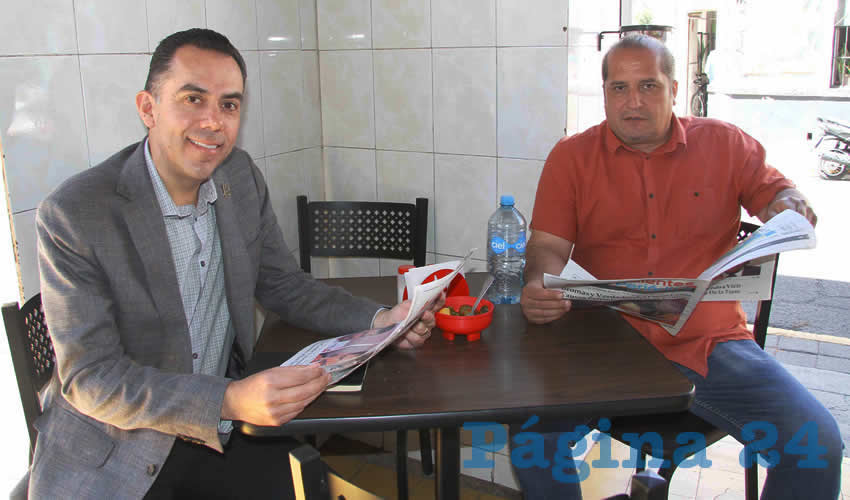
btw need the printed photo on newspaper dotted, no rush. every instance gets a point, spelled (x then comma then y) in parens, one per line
(341, 355)
(743, 273)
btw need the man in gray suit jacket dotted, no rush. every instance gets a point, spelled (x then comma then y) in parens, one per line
(150, 265)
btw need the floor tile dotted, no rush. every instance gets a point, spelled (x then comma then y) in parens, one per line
(421, 488)
(725, 455)
(685, 482)
(487, 496)
(714, 483)
(836, 350)
(833, 364)
(378, 480)
(799, 345)
(468, 494)
(797, 358)
(346, 467)
(731, 495)
(673, 496)
(503, 472)
(483, 473)
(603, 483)
(818, 379)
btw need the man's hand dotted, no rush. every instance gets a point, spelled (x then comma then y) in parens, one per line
(545, 253)
(541, 305)
(274, 396)
(419, 332)
(789, 199)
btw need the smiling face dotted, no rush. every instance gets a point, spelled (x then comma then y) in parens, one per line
(639, 98)
(193, 118)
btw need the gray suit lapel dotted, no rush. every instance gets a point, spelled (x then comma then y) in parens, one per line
(237, 262)
(143, 216)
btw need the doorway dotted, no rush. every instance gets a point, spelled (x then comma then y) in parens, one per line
(702, 38)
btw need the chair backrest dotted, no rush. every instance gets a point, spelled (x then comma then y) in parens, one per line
(32, 355)
(362, 229)
(762, 318)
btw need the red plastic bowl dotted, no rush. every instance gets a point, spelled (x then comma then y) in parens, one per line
(470, 326)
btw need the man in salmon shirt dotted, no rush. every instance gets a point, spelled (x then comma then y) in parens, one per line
(646, 193)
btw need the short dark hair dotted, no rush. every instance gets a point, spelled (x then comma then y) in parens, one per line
(668, 64)
(196, 37)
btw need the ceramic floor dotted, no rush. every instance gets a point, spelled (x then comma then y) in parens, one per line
(374, 470)
(723, 480)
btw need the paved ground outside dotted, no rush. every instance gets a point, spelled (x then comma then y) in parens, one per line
(823, 367)
(810, 305)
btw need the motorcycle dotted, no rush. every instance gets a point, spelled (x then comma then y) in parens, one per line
(833, 149)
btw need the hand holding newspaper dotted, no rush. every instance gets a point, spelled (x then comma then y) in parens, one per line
(669, 302)
(339, 356)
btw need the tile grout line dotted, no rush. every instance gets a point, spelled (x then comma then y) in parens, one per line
(819, 337)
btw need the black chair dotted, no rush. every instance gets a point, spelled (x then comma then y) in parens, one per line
(671, 425)
(33, 360)
(314, 480)
(369, 229)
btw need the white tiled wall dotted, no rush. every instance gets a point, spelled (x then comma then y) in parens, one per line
(461, 101)
(70, 69)
(345, 99)
(403, 100)
(465, 101)
(348, 97)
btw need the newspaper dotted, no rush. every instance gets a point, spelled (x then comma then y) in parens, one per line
(743, 273)
(341, 355)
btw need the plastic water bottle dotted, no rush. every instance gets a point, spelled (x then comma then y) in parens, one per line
(506, 252)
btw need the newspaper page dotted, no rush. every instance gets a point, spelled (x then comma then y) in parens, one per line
(341, 355)
(785, 231)
(749, 283)
(669, 302)
(660, 300)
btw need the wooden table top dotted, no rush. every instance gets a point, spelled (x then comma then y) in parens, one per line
(590, 362)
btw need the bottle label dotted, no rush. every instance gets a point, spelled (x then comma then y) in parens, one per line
(499, 245)
(519, 246)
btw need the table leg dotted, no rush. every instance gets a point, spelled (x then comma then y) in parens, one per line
(401, 464)
(447, 464)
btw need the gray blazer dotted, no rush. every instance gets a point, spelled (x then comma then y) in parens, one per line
(124, 386)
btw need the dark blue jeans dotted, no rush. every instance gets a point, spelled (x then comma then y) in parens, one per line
(744, 385)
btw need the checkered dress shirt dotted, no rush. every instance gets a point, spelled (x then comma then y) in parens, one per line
(196, 250)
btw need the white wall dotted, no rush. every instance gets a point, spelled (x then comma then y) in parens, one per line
(357, 99)
(455, 101)
(70, 69)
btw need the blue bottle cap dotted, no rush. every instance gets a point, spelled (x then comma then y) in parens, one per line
(507, 200)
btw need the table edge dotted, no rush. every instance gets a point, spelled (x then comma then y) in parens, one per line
(457, 419)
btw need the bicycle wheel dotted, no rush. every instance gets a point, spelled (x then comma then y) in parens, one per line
(698, 104)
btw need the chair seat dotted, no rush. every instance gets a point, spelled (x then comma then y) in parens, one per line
(668, 426)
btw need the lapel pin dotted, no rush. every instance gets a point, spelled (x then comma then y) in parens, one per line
(225, 190)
